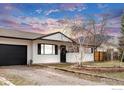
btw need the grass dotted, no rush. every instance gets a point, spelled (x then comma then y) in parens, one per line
(90, 64)
(2, 83)
(115, 75)
(54, 64)
(104, 64)
(17, 80)
(62, 64)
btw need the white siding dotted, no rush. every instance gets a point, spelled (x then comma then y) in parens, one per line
(46, 58)
(19, 42)
(75, 57)
(70, 57)
(57, 36)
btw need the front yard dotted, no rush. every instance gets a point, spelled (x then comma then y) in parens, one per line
(104, 64)
(39, 75)
(45, 74)
(119, 75)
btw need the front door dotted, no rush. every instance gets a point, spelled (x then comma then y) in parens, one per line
(63, 53)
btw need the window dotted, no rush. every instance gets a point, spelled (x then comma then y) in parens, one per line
(88, 50)
(73, 49)
(47, 49)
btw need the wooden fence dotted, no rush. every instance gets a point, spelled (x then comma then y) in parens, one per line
(105, 56)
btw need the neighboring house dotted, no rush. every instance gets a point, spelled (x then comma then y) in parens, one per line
(110, 48)
(19, 47)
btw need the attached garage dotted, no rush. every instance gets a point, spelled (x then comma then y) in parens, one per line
(16, 47)
(13, 54)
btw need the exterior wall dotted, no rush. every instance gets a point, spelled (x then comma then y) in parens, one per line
(57, 36)
(46, 58)
(70, 57)
(76, 57)
(19, 42)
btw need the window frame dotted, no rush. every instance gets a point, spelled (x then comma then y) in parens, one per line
(53, 49)
(72, 49)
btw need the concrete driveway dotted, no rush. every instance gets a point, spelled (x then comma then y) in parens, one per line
(40, 76)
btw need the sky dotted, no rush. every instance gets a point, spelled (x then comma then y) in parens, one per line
(48, 18)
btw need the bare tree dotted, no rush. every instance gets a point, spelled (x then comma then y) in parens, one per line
(86, 32)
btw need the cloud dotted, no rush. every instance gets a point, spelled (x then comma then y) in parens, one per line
(51, 11)
(73, 7)
(62, 22)
(38, 11)
(9, 9)
(113, 15)
(113, 26)
(116, 12)
(45, 24)
(113, 31)
(102, 6)
(37, 24)
(114, 22)
(9, 21)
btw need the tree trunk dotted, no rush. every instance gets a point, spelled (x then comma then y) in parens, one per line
(122, 57)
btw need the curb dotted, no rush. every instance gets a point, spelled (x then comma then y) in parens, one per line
(89, 74)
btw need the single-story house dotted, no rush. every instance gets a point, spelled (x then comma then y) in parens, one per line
(20, 47)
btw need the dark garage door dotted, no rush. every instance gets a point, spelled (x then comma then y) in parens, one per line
(13, 55)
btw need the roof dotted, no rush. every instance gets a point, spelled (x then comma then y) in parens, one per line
(18, 34)
(60, 37)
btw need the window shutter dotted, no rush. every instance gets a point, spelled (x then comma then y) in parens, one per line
(39, 49)
(56, 49)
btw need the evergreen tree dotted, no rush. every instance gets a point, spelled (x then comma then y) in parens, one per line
(121, 39)
(122, 25)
